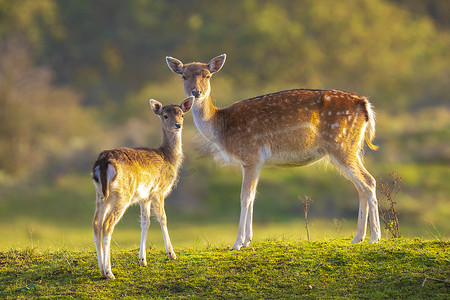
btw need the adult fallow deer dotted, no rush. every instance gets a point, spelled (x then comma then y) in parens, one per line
(126, 176)
(288, 128)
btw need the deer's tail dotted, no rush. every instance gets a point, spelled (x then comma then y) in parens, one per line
(369, 134)
(103, 173)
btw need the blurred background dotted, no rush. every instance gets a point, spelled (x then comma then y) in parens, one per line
(76, 76)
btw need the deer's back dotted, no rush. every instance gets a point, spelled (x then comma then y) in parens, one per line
(138, 172)
(294, 127)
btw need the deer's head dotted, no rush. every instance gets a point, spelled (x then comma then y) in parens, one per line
(196, 76)
(171, 115)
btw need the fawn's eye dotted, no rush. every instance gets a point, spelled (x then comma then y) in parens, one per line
(206, 76)
(166, 117)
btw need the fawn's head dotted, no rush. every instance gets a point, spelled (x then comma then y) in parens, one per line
(196, 76)
(172, 115)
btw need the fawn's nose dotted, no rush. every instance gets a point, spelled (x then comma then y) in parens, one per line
(196, 93)
(177, 125)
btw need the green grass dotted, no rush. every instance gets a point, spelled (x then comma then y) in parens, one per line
(47, 249)
(270, 269)
(43, 236)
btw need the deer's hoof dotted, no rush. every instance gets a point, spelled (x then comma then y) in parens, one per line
(142, 262)
(172, 256)
(109, 275)
(357, 240)
(374, 240)
(236, 248)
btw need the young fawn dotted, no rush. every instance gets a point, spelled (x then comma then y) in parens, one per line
(288, 128)
(126, 176)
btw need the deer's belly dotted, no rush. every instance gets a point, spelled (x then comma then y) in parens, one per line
(292, 158)
(147, 190)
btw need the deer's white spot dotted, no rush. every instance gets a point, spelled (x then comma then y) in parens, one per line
(142, 190)
(329, 113)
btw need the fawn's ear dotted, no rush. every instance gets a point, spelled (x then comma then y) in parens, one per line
(187, 103)
(175, 65)
(216, 63)
(156, 106)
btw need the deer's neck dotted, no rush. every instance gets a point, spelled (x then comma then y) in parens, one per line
(171, 147)
(205, 118)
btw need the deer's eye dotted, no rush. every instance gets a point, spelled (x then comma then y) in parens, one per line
(166, 117)
(206, 76)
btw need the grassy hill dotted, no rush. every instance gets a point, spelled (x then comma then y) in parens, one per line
(269, 269)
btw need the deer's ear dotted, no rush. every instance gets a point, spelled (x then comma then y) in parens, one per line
(175, 65)
(187, 103)
(216, 63)
(156, 106)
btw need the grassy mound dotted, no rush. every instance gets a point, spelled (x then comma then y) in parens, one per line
(267, 270)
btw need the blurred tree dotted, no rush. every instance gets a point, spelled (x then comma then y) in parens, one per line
(34, 20)
(373, 47)
(38, 121)
(439, 10)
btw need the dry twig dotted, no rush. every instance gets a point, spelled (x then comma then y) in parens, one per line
(390, 216)
(306, 203)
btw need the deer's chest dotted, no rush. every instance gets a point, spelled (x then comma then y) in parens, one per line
(148, 187)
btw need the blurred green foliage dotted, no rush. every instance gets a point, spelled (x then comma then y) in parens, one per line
(75, 78)
(377, 48)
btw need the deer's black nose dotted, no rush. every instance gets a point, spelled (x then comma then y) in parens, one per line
(177, 125)
(196, 93)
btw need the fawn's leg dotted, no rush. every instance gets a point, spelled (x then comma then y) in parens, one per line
(162, 219)
(97, 224)
(108, 227)
(145, 224)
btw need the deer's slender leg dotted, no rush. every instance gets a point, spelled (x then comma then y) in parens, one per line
(368, 205)
(361, 224)
(162, 219)
(375, 231)
(249, 223)
(250, 176)
(108, 227)
(145, 224)
(97, 226)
